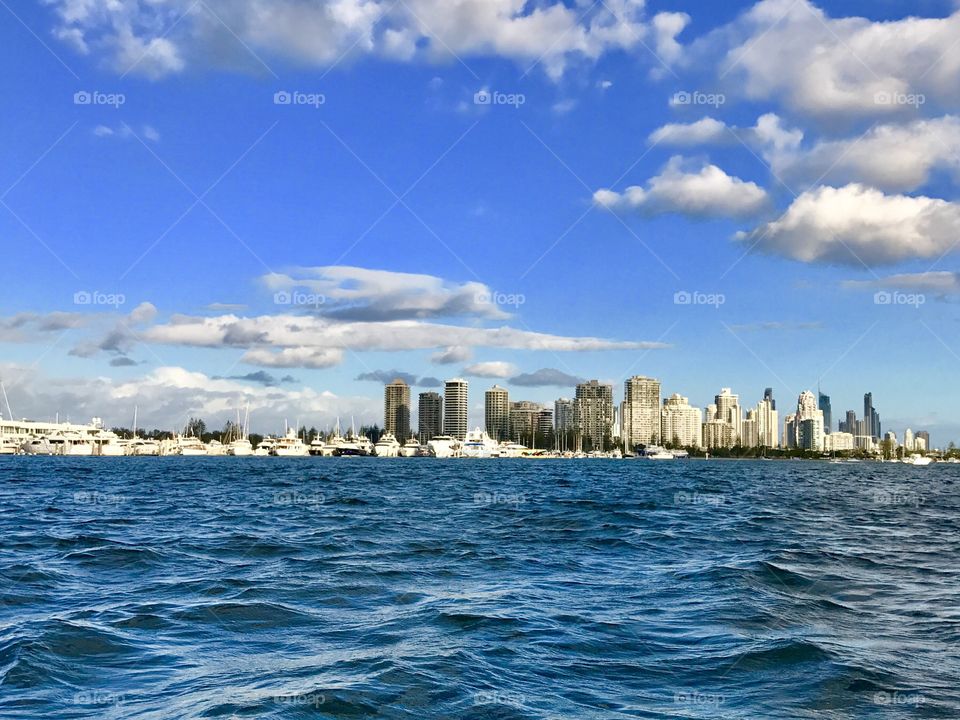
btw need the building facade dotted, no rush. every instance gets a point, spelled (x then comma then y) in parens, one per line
(497, 413)
(430, 416)
(594, 414)
(680, 423)
(456, 408)
(640, 412)
(396, 409)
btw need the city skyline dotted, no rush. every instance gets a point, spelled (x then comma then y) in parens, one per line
(186, 248)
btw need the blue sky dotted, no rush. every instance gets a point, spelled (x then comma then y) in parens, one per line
(824, 133)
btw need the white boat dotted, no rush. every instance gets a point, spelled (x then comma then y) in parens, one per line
(480, 445)
(316, 446)
(67, 443)
(918, 460)
(444, 446)
(108, 444)
(9, 446)
(215, 447)
(512, 450)
(240, 448)
(290, 445)
(143, 447)
(413, 448)
(655, 452)
(183, 445)
(265, 447)
(387, 446)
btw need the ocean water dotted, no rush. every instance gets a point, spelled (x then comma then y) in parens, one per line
(420, 588)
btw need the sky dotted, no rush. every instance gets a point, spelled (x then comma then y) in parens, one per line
(210, 203)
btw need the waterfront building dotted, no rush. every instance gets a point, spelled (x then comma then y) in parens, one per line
(455, 408)
(430, 412)
(497, 413)
(768, 423)
(396, 410)
(594, 414)
(750, 430)
(768, 396)
(680, 423)
(871, 417)
(823, 402)
(922, 435)
(728, 410)
(838, 441)
(808, 423)
(717, 434)
(640, 414)
(524, 421)
(908, 442)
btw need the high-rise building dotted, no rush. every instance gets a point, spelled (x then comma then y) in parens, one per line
(455, 408)
(871, 416)
(640, 414)
(524, 421)
(823, 401)
(497, 413)
(728, 410)
(768, 423)
(564, 421)
(680, 423)
(594, 414)
(808, 423)
(750, 430)
(768, 395)
(717, 434)
(922, 435)
(396, 409)
(850, 425)
(545, 424)
(430, 413)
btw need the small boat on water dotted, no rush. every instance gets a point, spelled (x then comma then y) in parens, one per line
(918, 460)
(413, 448)
(265, 447)
(387, 446)
(480, 445)
(290, 445)
(655, 452)
(444, 446)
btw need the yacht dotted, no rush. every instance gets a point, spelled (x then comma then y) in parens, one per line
(387, 446)
(918, 460)
(317, 445)
(265, 447)
(215, 447)
(108, 444)
(61, 442)
(444, 446)
(480, 445)
(143, 447)
(655, 452)
(9, 446)
(349, 446)
(413, 448)
(240, 448)
(290, 445)
(186, 446)
(512, 450)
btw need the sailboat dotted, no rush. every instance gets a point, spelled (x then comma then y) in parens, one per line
(241, 447)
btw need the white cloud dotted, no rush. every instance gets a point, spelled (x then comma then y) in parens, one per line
(491, 369)
(942, 283)
(857, 225)
(768, 135)
(451, 356)
(824, 67)
(704, 131)
(302, 357)
(666, 26)
(707, 193)
(157, 38)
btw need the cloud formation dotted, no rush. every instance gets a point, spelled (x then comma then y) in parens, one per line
(546, 377)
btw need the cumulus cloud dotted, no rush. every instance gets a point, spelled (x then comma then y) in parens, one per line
(703, 131)
(354, 293)
(830, 68)
(769, 135)
(160, 38)
(451, 355)
(294, 357)
(856, 225)
(546, 377)
(262, 377)
(388, 376)
(707, 193)
(491, 369)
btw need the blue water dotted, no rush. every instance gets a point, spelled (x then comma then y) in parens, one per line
(419, 588)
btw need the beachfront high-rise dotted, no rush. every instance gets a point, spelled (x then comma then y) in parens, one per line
(431, 416)
(823, 402)
(396, 409)
(768, 423)
(871, 417)
(497, 413)
(806, 431)
(640, 413)
(594, 414)
(455, 408)
(680, 424)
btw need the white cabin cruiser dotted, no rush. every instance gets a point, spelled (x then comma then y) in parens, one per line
(480, 445)
(387, 446)
(290, 445)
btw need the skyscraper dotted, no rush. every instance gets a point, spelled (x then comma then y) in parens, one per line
(808, 423)
(563, 415)
(396, 409)
(640, 417)
(455, 408)
(524, 421)
(594, 414)
(431, 416)
(497, 413)
(871, 417)
(728, 410)
(823, 401)
(768, 422)
(768, 395)
(679, 422)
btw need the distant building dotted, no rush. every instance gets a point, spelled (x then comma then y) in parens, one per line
(680, 423)
(594, 414)
(808, 423)
(545, 424)
(838, 441)
(728, 410)
(524, 421)
(717, 434)
(768, 395)
(823, 401)
(455, 408)
(396, 409)
(925, 437)
(497, 413)
(768, 423)
(640, 414)
(871, 416)
(430, 413)
(750, 430)
(908, 441)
